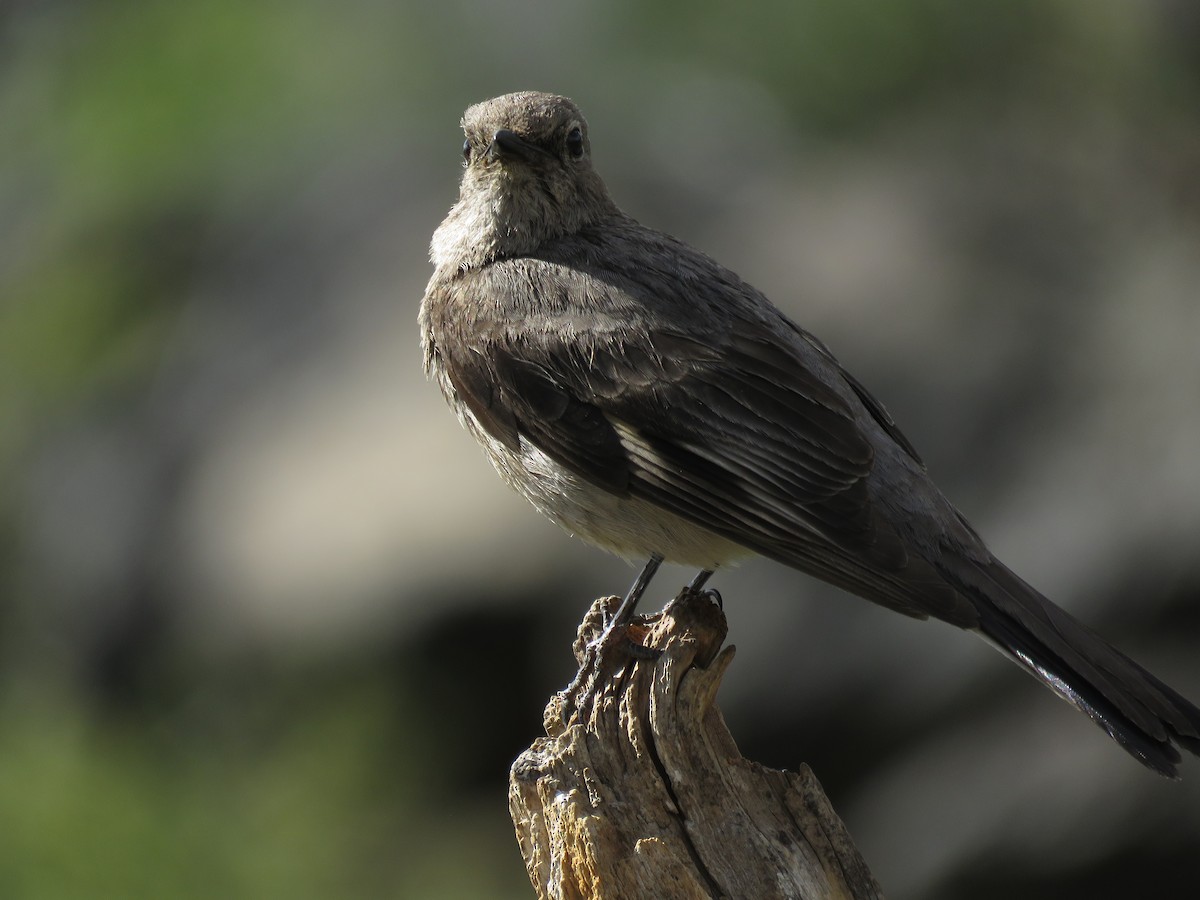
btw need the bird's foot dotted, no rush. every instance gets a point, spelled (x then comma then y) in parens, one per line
(609, 637)
(696, 589)
(602, 652)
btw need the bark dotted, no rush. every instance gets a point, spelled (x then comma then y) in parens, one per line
(638, 789)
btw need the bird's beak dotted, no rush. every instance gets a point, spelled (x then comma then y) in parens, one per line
(509, 145)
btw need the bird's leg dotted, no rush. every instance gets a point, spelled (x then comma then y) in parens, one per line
(696, 588)
(577, 695)
(625, 611)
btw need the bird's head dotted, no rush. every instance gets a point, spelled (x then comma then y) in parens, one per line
(528, 177)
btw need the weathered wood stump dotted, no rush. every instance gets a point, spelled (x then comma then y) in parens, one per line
(638, 790)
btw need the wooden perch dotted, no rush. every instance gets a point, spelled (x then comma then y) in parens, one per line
(638, 790)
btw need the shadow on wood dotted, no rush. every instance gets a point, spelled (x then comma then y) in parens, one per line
(638, 789)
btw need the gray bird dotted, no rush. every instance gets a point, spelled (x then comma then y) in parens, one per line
(651, 402)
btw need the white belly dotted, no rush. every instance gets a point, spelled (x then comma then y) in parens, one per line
(627, 526)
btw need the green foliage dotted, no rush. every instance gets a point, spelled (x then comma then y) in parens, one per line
(288, 790)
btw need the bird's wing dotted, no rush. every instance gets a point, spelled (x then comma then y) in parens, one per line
(736, 431)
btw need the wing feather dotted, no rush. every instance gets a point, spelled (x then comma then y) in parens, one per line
(737, 432)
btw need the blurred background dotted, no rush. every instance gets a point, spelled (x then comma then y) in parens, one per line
(270, 626)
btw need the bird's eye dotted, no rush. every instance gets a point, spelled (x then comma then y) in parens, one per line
(575, 142)
(466, 151)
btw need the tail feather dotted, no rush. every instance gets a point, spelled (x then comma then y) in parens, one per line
(1141, 713)
(1152, 750)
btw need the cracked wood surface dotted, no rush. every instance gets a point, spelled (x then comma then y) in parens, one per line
(638, 789)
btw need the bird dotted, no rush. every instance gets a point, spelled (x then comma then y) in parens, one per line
(648, 400)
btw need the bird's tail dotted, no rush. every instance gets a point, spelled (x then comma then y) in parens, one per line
(1141, 713)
